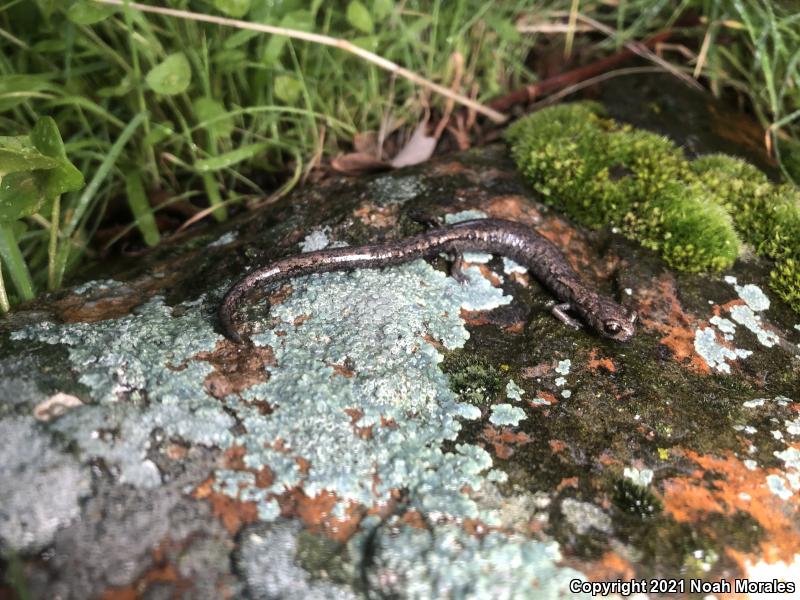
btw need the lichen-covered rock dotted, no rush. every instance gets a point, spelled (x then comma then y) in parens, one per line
(394, 432)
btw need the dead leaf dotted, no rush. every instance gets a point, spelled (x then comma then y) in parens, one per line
(358, 163)
(418, 149)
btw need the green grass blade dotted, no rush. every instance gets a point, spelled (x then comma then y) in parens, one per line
(88, 193)
(140, 207)
(15, 263)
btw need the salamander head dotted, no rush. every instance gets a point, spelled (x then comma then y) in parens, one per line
(612, 321)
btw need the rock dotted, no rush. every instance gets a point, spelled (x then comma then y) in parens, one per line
(354, 449)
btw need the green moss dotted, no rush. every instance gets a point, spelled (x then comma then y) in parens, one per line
(603, 173)
(767, 216)
(636, 500)
(473, 379)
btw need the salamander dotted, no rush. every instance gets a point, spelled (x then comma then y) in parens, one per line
(508, 238)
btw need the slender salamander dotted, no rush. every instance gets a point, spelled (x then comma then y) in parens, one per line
(514, 240)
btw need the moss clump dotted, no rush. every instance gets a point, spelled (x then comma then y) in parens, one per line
(767, 216)
(636, 500)
(473, 379)
(603, 173)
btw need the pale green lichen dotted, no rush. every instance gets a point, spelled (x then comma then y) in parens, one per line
(387, 190)
(584, 516)
(373, 321)
(716, 354)
(40, 486)
(146, 382)
(505, 414)
(513, 391)
(316, 240)
(146, 354)
(446, 562)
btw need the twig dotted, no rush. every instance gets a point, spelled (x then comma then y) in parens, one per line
(701, 57)
(529, 93)
(316, 38)
(637, 48)
(552, 28)
(551, 99)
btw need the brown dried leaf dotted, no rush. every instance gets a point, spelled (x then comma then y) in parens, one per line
(358, 163)
(418, 149)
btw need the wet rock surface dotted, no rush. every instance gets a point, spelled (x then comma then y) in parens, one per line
(393, 432)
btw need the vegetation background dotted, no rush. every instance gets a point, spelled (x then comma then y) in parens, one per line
(120, 126)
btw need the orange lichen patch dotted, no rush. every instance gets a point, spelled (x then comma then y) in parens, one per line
(513, 208)
(161, 571)
(300, 319)
(176, 451)
(303, 465)
(718, 309)
(538, 370)
(567, 482)
(567, 239)
(452, 167)
(475, 318)
(488, 274)
(342, 369)
(280, 295)
(504, 440)
(723, 485)
(235, 370)
(595, 364)
(610, 567)
(660, 310)
(520, 278)
(376, 216)
(232, 513)
(118, 303)
(355, 415)
(316, 513)
(544, 395)
(608, 459)
(557, 446)
(434, 342)
(413, 518)
(515, 328)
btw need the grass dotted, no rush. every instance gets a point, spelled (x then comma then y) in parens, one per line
(151, 105)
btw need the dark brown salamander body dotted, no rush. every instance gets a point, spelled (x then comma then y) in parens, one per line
(514, 240)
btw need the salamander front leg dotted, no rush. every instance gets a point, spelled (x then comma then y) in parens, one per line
(457, 268)
(560, 312)
(429, 220)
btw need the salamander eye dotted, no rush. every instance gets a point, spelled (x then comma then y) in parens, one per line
(612, 327)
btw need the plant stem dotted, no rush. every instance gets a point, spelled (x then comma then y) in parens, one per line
(52, 247)
(15, 263)
(5, 306)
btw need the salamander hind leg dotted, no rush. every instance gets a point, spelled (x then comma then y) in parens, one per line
(559, 311)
